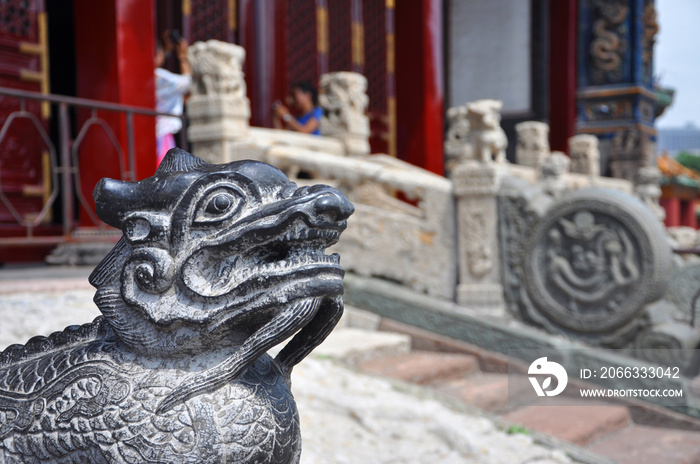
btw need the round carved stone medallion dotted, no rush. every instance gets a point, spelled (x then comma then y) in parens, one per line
(594, 259)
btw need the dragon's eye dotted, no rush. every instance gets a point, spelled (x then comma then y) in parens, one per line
(217, 205)
(220, 204)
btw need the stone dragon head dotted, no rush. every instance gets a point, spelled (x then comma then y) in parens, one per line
(217, 256)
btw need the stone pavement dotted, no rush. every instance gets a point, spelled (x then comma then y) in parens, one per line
(348, 416)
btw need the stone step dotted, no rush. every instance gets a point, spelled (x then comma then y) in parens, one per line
(423, 367)
(642, 444)
(487, 391)
(356, 346)
(482, 390)
(581, 422)
(612, 431)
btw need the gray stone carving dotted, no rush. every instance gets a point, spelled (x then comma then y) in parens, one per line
(594, 265)
(594, 260)
(217, 264)
(670, 344)
(683, 290)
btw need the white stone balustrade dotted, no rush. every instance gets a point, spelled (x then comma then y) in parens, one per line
(412, 242)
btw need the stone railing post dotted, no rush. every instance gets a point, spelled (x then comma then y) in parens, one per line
(585, 155)
(648, 190)
(474, 133)
(456, 146)
(553, 173)
(533, 143)
(343, 97)
(476, 187)
(478, 165)
(218, 108)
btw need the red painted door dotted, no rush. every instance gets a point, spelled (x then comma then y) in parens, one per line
(24, 157)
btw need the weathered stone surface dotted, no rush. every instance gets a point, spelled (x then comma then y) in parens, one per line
(585, 157)
(486, 137)
(580, 424)
(457, 147)
(423, 367)
(533, 143)
(411, 241)
(217, 264)
(641, 444)
(218, 108)
(474, 134)
(485, 391)
(354, 346)
(553, 173)
(683, 287)
(685, 237)
(343, 97)
(595, 258)
(647, 189)
(266, 139)
(476, 186)
(38, 308)
(350, 418)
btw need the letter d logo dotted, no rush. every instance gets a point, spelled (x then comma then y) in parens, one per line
(542, 366)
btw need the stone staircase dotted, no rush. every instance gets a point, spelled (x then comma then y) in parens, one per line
(594, 432)
(629, 433)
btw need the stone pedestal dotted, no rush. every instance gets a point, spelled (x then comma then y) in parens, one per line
(216, 122)
(476, 187)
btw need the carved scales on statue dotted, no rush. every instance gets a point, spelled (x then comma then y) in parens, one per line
(217, 264)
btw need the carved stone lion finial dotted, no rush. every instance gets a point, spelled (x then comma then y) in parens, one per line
(217, 264)
(344, 100)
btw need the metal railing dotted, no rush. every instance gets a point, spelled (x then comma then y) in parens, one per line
(68, 153)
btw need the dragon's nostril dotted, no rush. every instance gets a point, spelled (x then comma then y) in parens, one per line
(335, 205)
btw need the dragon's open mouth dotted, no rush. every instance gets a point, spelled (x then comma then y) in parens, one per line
(296, 253)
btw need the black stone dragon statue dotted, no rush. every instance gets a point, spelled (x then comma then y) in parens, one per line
(217, 264)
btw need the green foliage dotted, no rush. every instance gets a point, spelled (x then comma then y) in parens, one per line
(689, 160)
(517, 429)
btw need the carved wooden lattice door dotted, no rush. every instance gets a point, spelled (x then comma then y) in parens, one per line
(352, 35)
(378, 67)
(205, 20)
(304, 44)
(24, 157)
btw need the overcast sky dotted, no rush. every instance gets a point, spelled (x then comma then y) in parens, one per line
(677, 60)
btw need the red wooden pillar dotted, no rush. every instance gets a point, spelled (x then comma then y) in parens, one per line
(562, 73)
(419, 83)
(672, 206)
(114, 48)
(262, 34)
(688, 217)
